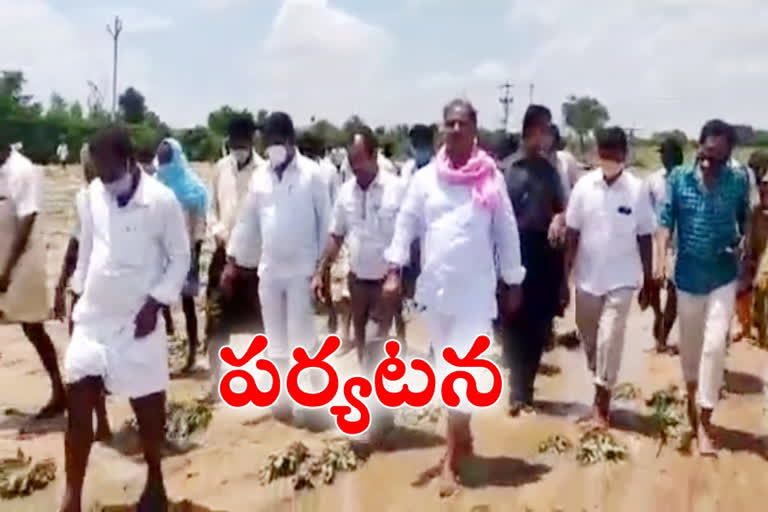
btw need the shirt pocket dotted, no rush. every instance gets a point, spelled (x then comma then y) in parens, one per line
(131, 238)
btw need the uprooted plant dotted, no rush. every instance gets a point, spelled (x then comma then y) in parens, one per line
(183, 420)
(668, 418)
(309, 470)
(549, 370)
(19, 477)
(556, 444)
(626, 392)
(599, 445)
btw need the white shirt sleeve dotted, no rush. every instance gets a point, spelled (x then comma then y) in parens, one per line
(245, 241)
(646, 214)
(339, 225)
(507, 238)
(25, 187)
(175, 241)
(322, 202)
(410, 218)
(214, 215)
(85, 245)
(573, 214)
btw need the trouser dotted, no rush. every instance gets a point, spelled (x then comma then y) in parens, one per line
(286, 305)
(602, 322)
(525, 337)
(459, 332)
(704, 325)
(368, 307)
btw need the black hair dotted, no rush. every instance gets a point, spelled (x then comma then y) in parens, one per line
(718, 128)
(422, 133)
(534, 115)
(369, 138)
(557, 140)
(672, 147)
(113, 139)
(461, 103)
(612, 139)
(241, 126)
(279, 125)
(310, 144)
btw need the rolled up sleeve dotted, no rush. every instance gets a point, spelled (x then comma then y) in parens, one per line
(339, 224)
(26, 187)
(407, 226)
(506, 238)
(85, 245)
(573, 213)
(245, 241)
(175, 242)
(646, 219)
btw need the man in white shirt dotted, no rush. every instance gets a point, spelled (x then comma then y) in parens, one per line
(458, 203)
(364, 216)
(234, 173)
(609, 246)
(280, 232)
(23, 290)
(671, 152)
(62, 153)
(133, 259)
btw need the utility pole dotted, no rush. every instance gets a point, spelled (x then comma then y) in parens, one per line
(114, 32)
(506, 100)
(530, 93)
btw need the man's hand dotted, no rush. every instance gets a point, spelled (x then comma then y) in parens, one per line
(146, 319)
(228, 278)
(512, 298)
(565, 298)
(5, 282)
(557, 230)
(318, 287)
(60, 303)
(220, 238)
(646, 296)
(391, 290)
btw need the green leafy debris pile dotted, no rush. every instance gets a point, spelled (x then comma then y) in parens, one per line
(20, 477)
(309, 470)
(626, 392)
(556, 444)
(429, 415)
(183, 420)
(668, 418)
(598, 445)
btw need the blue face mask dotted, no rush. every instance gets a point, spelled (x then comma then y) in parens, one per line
(422, 156)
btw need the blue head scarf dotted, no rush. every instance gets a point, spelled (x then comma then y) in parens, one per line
(179, 177)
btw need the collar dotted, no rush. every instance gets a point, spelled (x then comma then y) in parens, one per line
(293, 164)
(376, 183)
(600, 178)
(140, 195)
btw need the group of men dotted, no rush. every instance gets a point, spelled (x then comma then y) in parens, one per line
(493, 248)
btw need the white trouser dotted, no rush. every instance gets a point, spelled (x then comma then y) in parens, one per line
(286, 307)
(704, 324)
(458, 332)
(602, 322)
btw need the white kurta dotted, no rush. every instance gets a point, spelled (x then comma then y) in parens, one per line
(229, 188)
(126, 255)
(26, 299)
(282, 230)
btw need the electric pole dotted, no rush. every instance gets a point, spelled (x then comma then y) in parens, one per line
(114, 32)
(506, 101)
(530, 93)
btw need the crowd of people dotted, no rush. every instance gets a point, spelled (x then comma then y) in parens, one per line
(483, 243)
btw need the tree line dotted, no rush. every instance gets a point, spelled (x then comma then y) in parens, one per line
(40, 130)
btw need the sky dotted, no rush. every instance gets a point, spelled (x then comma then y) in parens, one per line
(655, 64)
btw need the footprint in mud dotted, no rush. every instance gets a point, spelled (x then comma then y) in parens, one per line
(178, 506)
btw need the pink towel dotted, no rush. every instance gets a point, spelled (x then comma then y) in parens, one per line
(479, 172)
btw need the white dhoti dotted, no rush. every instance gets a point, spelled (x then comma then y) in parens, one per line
(128, 366)
(460, 333)
(286, 307)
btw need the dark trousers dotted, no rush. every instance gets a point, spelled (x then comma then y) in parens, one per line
(525, 338)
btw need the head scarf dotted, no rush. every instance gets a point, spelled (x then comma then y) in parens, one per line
(179, 177)
(479, 172)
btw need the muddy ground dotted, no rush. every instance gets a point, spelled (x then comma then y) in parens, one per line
(220, 472)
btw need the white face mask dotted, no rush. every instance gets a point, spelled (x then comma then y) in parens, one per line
(241, 155)
(121, 186)
(277, 155)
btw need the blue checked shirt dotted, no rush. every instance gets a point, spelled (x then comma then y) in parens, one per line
(710, 225)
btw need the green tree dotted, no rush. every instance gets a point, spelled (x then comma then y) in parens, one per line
(133, 106)
(218, 120)
(57, 107)
(677, 135)
(76, 111)
(584, 115)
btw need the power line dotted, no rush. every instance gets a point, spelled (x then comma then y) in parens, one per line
(115, 33)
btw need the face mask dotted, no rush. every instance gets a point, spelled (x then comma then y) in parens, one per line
(277, 155)
(241, 155)
(121, 186)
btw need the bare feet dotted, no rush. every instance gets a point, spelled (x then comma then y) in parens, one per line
(707, 447)
(283, 413)
(153, 499)
(56, 407)
(449, 477)
(70, 503)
